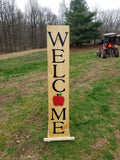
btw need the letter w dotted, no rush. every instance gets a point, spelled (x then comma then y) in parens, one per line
(58, 35)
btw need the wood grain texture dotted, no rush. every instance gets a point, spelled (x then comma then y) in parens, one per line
(58, 81)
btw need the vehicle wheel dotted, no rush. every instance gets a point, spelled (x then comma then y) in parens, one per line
(98, 54)
(103, 54)
(117, 52)
(108, 52)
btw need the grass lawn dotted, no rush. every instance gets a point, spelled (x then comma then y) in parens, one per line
(94, 108)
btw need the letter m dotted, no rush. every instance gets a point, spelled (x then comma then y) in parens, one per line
(58, 116)
(58, 35)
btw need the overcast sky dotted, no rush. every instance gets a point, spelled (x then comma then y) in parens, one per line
(54, 4)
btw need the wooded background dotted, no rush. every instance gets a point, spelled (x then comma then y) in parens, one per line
(27, 30)
(21, 31)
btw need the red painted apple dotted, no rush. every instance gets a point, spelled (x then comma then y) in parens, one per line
(58, 100)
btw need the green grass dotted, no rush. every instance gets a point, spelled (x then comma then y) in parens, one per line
(94, 109)
(23, 65)
(108, 156)
(4, 90)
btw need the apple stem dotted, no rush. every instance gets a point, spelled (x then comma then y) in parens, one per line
(60, 94)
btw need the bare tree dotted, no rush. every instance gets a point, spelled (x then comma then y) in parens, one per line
(38, 17)
(50, 18)
(8, 22)
(20, 31)
(32, 15)
(62, 12)
(110, 20)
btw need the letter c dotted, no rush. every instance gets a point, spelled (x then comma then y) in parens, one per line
(53, 85)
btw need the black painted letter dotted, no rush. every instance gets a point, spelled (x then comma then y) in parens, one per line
(58, 116)
(53, 85)
(54, 128)
(60, 38)
(55, 76)
(60, 55)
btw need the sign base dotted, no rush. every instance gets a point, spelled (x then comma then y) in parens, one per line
(59, 139)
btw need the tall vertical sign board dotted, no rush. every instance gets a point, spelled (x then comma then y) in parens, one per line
(58, 83)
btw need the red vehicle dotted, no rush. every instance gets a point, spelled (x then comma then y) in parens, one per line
(108, 48)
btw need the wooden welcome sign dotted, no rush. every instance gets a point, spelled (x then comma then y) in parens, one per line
(58, 83)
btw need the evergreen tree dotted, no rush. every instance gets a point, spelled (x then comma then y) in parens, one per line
(83, 28)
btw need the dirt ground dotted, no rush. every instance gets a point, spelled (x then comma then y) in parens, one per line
(21, 53)
(83, 48)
